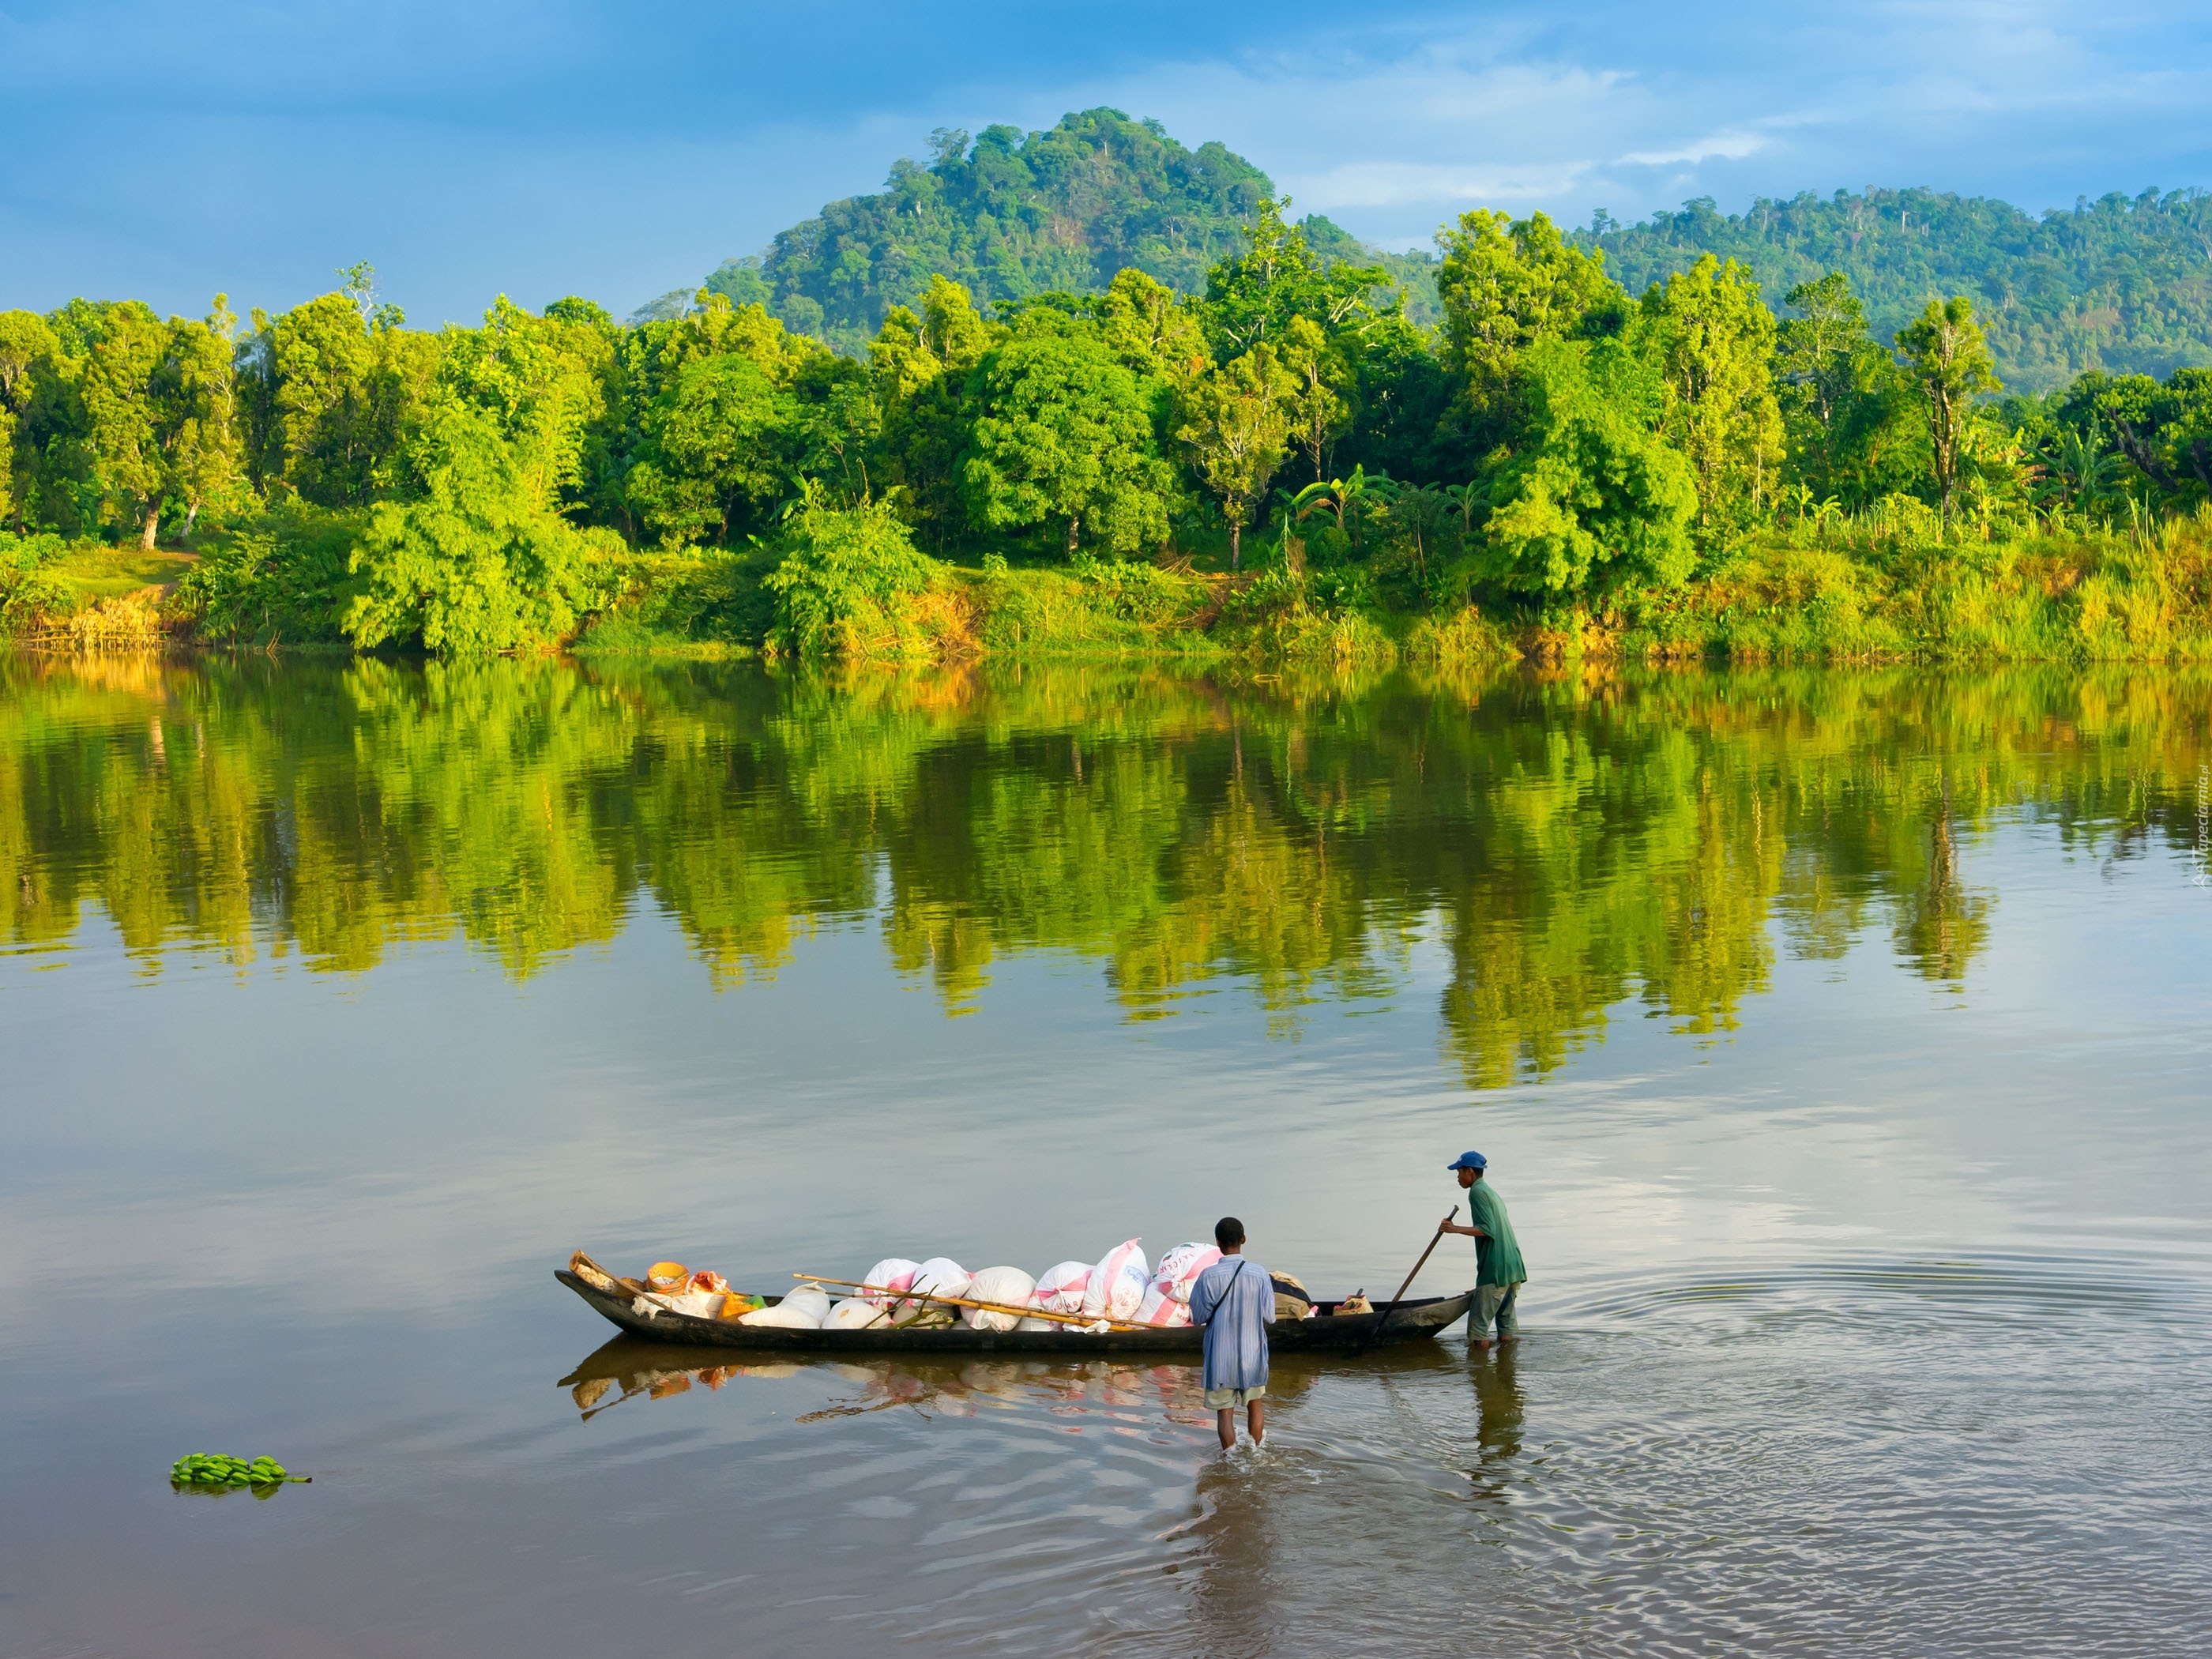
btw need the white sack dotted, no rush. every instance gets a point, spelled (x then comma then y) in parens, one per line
(700, 1304)
(1060, 1290)
(893, 1273)
(804, 1310)
(1008, 1285)
(1117, 1283)
(1180, 1268)
(856, 1314)
(940, 1276)
(1158, 1308)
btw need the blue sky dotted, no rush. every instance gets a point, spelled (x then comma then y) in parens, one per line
(166, 152)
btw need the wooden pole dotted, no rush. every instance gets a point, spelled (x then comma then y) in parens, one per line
(886, 1292)
(1436, 1238)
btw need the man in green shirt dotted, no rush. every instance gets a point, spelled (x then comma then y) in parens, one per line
(1498, 1273)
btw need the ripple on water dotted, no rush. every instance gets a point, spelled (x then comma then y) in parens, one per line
(1906, 1459)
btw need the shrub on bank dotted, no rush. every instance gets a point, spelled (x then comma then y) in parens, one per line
(850, 582)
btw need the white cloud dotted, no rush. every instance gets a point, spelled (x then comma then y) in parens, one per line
(1401, 127)
(1718, 146)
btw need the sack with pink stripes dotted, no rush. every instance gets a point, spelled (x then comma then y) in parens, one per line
(1060, 1290)
(1117, 1283)
(888, 1279)
(1158, 1308)
(1180, 1268)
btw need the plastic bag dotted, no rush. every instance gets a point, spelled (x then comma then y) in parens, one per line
(1060, 1290)
(1008, 1285)
(804, 1310)
(855, 1314)
(893, 1273)
(1160, 1308)
(1118, 1284)
(1180, 1268)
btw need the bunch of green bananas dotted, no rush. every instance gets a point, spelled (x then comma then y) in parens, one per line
(211, 1469)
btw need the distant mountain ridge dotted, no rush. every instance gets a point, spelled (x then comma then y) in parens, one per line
(2123, 283)
(1013, 214)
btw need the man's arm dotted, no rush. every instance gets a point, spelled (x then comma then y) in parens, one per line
(1469, 1232)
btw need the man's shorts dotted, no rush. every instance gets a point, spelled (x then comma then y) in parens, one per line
(1492, 1302)
(1233, 1400)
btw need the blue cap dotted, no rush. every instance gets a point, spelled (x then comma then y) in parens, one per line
(1469, 1161)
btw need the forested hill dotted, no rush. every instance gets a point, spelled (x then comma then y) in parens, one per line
(2123, 283)
(1014, 214)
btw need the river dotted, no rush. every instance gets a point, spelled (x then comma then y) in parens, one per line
(1838, 1041)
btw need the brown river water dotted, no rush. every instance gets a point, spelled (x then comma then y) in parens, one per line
(1839, 1042)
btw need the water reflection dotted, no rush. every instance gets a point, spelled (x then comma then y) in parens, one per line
(1500, 1406)
(1573, 842)
(1113, 1391)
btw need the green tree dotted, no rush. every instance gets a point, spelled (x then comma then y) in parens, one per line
(1814, 350)
(1155, 333)
(1318, 374)
(1949, 362)
(841, 579)
(202, 437)
(1505, 284)
(478, 561)
(718, 443)
(1251, 299)
(1853, 427)
(919, 366)
(1592, 500)
(1062, 433)
(27, 351)
(1236, 421)
(330, 399)
(1721, 414)
(544, 381)
(115, 384)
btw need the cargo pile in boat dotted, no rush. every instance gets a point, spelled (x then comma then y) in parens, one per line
(1118, 1290)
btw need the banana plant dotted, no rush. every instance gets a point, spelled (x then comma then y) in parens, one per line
(1466, 499)
(2084, 469)
(1340, 497)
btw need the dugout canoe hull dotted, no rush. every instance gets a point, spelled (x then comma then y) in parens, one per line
(1411, 1321)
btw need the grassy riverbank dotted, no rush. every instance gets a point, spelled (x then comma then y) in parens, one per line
(1859, 590)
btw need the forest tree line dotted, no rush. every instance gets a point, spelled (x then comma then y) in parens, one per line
(1555, 443)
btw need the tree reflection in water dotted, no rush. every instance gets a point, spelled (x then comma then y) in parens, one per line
(1572, 841)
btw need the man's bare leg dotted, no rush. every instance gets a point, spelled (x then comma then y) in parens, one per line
(1257, 1415)
(1225, 1421)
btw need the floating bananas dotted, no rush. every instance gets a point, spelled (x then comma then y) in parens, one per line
(207, 1471)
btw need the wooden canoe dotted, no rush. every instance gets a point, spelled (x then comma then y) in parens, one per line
(1326, 1331)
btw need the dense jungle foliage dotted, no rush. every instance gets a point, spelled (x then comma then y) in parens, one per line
(1008, 216)
(1282, 461)
(2123, 284)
